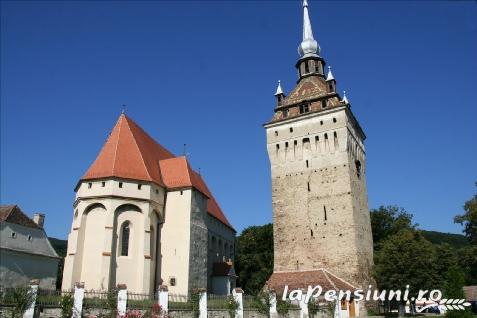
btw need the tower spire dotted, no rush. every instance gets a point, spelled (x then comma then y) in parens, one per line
(329, 76)
(345, 99)
(279, 89)
(308, 46)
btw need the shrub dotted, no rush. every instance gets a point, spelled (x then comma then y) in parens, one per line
(232, 305)
(66, 304)
(313, 307)
(283, 306)
(262, 302)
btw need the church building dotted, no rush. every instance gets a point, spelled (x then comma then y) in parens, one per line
(143, 217)
(321, 221)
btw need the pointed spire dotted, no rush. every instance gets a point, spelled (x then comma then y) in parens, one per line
(308, 47)
(307, 31)
(279, 89)
(345, 99)
(329, 76)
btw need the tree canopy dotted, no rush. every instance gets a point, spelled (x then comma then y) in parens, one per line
(254, 262)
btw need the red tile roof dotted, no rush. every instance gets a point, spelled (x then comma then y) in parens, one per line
(130, 153)
(13, 214)
(223, 269)
(303, 279)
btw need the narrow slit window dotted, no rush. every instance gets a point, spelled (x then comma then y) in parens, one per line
(307, 165)
(120, 184)
(326, 136)
(324, 212)
(358, 168)
(308, 185)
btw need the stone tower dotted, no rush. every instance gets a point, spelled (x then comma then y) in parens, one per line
(321, 220)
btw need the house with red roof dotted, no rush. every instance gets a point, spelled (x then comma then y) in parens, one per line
(143, 217)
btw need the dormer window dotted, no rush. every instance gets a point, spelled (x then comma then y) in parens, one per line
(285, 113)
(323, 103)
(14, 235)
(304, 108)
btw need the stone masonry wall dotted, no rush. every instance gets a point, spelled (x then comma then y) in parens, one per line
(320, 212)
(198, 242)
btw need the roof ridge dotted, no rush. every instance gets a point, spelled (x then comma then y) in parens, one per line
(117, 144)
(10, 209)
(138, 148)
(329, 280)
(130, 120)
(337, 277)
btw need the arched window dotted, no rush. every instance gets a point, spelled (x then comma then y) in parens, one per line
(125, 229)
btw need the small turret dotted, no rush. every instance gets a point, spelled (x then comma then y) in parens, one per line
(279, 94)
(330, 79)
(345, 99)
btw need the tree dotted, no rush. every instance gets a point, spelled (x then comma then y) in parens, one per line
(453, 290)
(389, 220)
(469, 219)
(468, 262)
(406, 258)
(254, 262)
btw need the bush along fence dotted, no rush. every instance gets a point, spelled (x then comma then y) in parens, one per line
(78, 303)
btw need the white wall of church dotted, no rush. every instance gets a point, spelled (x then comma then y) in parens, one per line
(94, 253)
(165, 242)
(175, 238)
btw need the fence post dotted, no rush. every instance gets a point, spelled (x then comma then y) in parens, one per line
(303, 307)
(122, 299)
(273, 304)
(202, 303)
(78, 300)
(33, 292)
(238, 297)
(163, 298)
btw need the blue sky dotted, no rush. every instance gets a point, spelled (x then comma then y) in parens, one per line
(204, 73)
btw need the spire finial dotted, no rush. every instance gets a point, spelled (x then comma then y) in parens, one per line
(345, 99)
(279, 89)
(308, 47)
(124, 108)
(329, 76)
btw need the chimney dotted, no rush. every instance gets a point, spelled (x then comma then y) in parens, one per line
(39, 219)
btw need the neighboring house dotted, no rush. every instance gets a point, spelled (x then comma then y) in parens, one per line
(25, 252)
(470, 293)
(143, 217)
(223, 278)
